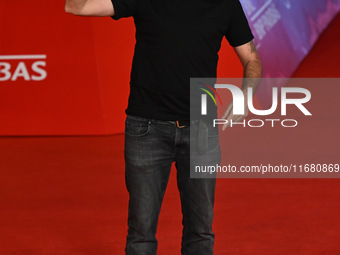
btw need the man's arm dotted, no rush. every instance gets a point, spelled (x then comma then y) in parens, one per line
(250, 60)
(252, 66)
(90, 7)
(252, 73)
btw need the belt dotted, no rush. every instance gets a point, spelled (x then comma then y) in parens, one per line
(182, 123)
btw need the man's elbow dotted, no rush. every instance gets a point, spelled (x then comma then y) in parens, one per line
(258, 63)
(253, 68)
(75, 10)
(255, 59)
(70, 10)
(255, 63)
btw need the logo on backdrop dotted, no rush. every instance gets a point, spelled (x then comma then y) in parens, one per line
(240, 102)
(23, 68)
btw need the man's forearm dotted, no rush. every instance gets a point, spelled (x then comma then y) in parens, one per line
(252, 66)
(252, 75)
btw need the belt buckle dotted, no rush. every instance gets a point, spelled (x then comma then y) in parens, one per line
(178, 125)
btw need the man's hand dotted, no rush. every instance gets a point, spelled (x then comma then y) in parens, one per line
(252, 73)
(90, 7)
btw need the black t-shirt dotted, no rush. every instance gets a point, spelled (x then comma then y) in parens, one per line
(177, 40)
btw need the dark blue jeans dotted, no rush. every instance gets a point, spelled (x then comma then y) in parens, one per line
(150, 148)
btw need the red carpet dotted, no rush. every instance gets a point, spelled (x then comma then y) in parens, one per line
(66, 195)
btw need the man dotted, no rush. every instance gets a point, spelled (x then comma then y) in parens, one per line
(175, 40)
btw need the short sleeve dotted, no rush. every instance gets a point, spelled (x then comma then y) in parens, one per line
(124, 8)
(238, 31)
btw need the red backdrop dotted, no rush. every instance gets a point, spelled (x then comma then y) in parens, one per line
(87, 69)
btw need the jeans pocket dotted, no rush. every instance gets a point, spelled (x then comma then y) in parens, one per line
(136, 127)
(207, 138)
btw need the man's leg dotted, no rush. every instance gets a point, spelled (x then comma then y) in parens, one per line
(197, 194)
(148, 157)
